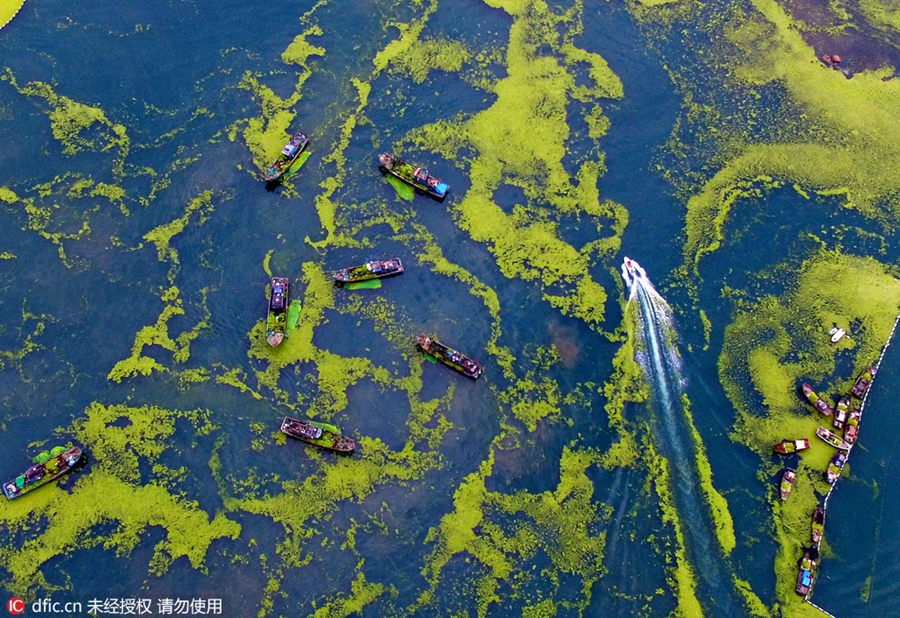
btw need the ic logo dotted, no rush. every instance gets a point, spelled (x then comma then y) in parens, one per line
(15, 606)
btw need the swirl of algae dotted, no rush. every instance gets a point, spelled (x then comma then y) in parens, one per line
(111, 491)
(520, 140)
(827, 151)
(774, 343)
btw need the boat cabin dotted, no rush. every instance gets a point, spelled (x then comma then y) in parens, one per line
(277, 303)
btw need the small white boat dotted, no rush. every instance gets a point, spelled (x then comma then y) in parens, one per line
(836, 334)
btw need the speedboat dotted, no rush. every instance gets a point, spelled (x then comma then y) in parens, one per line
(632, 271)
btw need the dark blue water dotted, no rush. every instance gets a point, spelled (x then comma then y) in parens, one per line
(174, 76)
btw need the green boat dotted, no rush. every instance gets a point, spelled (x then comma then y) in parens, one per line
(415, 176)
(451, 358)
(289, 154)
(276, 318)
(47, 467)
(321, 434)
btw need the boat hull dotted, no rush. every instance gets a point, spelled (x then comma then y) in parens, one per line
(817, 402)
(282, 164)
(420, 179)
(786, 447)
(787, 482)
(320, 434)
(376, 269)
(276, 318)
(834, 468)
(863, 382)
(456, 360)
(48, 472)
(829, 437)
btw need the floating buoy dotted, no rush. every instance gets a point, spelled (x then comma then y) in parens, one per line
(835, 59)
(827, 58)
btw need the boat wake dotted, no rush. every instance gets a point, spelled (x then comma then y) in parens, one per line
(659, 358)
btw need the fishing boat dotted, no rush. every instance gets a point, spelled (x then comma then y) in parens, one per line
(415, 176)
(376, 269)
(276, 319)
(862, 382)
(841, 411)
(835, 467)
(325, 435)
(450, 357)
(807, 574)
(832, 438)
(817, 402)
(786, 447)
(818, 525)
(787, 482)
(289, 154)
(47, 467)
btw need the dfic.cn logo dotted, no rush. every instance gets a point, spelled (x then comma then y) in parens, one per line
(15, 605)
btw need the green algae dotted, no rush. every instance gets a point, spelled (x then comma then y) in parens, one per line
(162, 235)
(421, 57)
(29, 345)
(557, 523)
(158, 334)
(878, 12)
(361, 594)
(716, 502)
(112, 492)
(372, 284)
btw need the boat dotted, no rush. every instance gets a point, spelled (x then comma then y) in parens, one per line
(841, 411)
(817, 402)
(787, 482)
(450, 357)
(807, 573)
(818, 524)
(632, 272)
(851, 429)
(289, 154)
(785, 447)
(836, 334)
(832, 438)
(375, 269)
(47, 467)
(862, 382)
(325, 435)
(276, 319)
(835, 467)
(415, 176)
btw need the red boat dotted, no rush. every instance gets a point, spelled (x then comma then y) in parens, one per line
(841, 412)
(786, 447)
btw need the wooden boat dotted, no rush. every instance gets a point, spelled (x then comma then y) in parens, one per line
(376, 269)
(289, 154)
(47, 467)
(785, 447)
(276, 319)
(851, 429)
(862, 382)
(787, 482)
(841, 411)
(450, 357)
(807, 574)
(817, 402)
(818, 525)
(835, 467)
(321, 434)
(832, 438)
(415, 176)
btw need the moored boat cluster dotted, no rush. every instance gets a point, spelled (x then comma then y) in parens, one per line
(845, 416)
